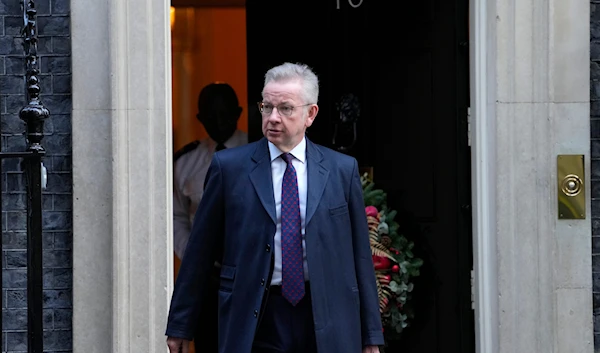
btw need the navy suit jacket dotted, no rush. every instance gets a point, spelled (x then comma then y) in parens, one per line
(236, 221)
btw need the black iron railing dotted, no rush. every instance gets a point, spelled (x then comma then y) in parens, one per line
(33, 114)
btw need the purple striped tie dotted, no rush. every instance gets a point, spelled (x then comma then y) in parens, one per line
(292, 262)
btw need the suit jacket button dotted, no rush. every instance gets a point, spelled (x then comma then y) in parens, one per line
(268, 249)
(255, 313)
(262, 282)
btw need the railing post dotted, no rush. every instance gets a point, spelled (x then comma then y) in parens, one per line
(33, 114)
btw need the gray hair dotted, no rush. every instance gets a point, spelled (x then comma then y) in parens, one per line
(289, 72)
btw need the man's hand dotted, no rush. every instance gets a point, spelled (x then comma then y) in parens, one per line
(178, 345)
(371, 349)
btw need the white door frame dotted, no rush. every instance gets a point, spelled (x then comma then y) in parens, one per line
(483, 187)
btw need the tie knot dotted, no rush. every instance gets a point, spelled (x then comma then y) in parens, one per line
(287, 157)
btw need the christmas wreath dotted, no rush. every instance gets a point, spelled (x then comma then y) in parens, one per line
(393, 259)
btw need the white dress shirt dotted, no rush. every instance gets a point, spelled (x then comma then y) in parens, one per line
(189, 172)
(278, 166)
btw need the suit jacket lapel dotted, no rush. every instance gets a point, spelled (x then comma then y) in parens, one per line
(261, 178)
(317, 179)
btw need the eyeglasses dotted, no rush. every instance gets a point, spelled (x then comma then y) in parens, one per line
(283, 109)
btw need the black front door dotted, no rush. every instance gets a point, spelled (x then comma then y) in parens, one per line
(407, 65)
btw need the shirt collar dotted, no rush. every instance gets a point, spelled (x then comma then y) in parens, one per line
(299, 152)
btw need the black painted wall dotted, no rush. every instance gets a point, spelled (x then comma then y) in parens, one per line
(55, 62)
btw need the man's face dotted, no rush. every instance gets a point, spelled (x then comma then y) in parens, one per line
(219, 118)
(286, 132)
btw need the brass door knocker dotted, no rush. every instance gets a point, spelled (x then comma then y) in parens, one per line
(345, 131)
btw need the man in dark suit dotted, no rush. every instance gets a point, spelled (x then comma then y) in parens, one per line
(286, 218)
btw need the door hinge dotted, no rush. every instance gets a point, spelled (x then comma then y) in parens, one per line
(469, 126)
(472, 290)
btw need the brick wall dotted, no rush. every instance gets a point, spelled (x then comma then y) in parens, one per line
(55, 63)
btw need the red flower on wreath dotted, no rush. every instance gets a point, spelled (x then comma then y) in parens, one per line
(372, 212)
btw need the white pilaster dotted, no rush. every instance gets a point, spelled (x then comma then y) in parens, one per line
(122, 175)
(533, 106)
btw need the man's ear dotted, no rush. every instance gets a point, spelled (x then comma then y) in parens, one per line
(312, 114)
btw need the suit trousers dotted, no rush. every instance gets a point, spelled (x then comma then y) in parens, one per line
(285, 328)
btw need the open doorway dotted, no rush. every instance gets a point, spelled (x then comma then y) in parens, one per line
(208, 45)
(409, 70)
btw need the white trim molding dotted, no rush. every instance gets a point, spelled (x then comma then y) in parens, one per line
(482, 78)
